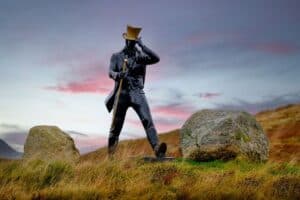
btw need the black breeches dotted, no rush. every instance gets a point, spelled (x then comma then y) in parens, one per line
(137, 100)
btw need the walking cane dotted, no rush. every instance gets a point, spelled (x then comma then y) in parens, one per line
(118, 94)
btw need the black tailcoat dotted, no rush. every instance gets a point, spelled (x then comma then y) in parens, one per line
(137, 64)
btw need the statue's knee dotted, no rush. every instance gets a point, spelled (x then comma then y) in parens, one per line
(116, 127)
(147, 123)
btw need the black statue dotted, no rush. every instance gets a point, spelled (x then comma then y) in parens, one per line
(128, 69)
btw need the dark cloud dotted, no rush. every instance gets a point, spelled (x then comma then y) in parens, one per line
(166, 96)
(209, 95)
(254, 107)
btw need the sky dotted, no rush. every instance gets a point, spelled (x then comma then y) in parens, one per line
(54, 61)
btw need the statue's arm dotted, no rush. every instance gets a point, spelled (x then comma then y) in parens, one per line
(148, 56)
(112, 67)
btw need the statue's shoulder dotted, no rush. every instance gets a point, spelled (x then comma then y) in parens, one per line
(115, 53)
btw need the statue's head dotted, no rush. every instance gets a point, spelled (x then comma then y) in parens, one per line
(130, 43)
(131, 36)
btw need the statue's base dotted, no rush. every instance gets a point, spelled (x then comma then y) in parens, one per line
(155, 159)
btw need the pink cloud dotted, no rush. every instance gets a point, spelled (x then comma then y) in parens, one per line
(88, 73)
(101, 86)
(209, 95)
(174, 110)
(161, 125)
(201, 37)
(211, 37)
(89, 143)
(135, 123)
(91, 77)
(164, 125)
(277, 48)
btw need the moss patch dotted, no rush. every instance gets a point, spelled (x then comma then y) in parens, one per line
(239, 135)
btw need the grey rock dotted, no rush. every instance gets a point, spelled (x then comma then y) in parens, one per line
(211, 134)
(50, 143)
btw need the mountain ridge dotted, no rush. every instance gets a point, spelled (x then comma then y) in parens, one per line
(8, 152)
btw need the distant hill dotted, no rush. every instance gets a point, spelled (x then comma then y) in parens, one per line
(7, 151)
(282, 123)
(282, 126)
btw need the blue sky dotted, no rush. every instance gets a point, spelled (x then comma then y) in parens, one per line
(54, 58)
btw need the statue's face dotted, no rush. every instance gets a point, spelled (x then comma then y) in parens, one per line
(130, 43)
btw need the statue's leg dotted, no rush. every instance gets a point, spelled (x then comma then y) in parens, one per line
(117, 123)
(141, 107)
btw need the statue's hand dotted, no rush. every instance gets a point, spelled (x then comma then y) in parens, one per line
(123, 74)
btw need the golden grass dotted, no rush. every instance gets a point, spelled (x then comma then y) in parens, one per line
(131, 178)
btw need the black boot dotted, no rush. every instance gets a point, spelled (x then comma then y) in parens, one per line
(112, 145)
(160, 150)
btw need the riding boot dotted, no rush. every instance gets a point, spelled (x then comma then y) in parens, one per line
(158, 148)
(112, 145)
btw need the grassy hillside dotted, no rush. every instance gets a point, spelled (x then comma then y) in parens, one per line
(282, 126)
(128, 177)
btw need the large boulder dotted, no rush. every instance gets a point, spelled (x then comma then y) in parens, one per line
(211, 134)
(50, 143)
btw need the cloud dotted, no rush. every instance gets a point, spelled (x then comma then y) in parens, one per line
(277, 48)
(85, 79)
(131, 135)
(176, 110)
(209, 95)
(15, 138)
(77, 133)
(165, 95)
(91, 85)
(254, 107)
(87, 73)
(134, 122)
(84, 72)
(162, 124)
(89, 143)
(9, 126)
(167, 124)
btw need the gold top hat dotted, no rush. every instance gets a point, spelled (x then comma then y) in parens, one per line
(132, 33)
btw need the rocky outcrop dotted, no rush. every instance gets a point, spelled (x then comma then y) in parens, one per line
(50, 143)
(222, 134)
